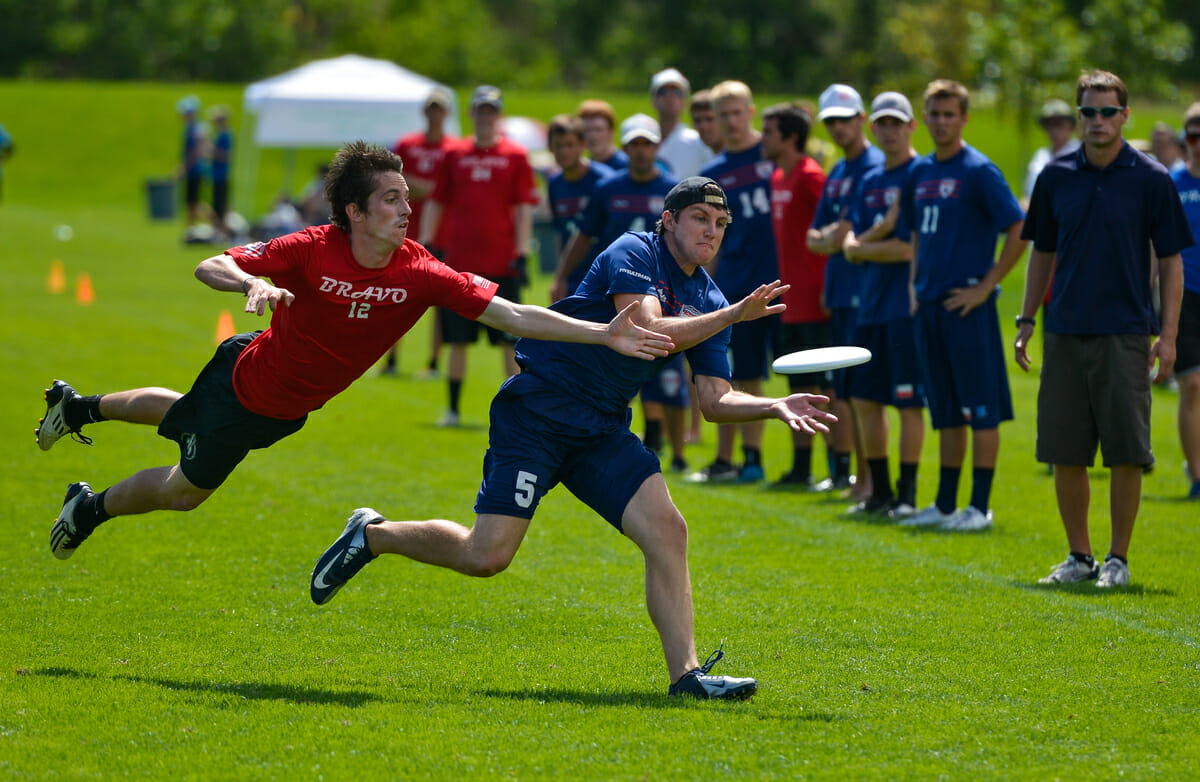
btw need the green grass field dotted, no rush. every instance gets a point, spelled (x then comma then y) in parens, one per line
(184, 646)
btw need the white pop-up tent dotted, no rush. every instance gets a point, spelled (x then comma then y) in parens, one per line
(328, 103)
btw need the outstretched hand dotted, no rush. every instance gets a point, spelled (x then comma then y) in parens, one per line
(758, 304)
(262, 294)
(630, 339)
(800, 412)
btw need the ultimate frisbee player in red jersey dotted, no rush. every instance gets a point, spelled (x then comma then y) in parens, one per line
(341, 295)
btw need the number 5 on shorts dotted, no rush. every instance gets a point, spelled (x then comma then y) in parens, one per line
(526, 485)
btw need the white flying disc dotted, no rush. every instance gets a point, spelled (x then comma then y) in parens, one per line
(821, 359)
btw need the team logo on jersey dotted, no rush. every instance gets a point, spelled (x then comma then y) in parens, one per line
(254, 250)
(346, 290)
(904, 391)
(764, 168)
(890, 195)
(632, 273)
(948, 188)
(846, 184)
(479, 282)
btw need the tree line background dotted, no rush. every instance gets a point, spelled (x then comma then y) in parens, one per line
(1017, 52)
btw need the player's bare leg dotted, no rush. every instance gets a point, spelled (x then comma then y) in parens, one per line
(139, 406)
(483, 550)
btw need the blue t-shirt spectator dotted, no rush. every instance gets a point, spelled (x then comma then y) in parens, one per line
(884, 294)
(958, 207)
(621, 204)
(843, 280)
(747, 256)
(1189, 195)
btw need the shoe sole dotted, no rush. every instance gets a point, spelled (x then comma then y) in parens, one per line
(64, 527)
(54, 416)
(742, 694)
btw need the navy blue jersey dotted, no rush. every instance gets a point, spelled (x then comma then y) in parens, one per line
(748, 256)
(568, 199)
(1101, 223)
(842, 278)
(1189, 195)
(619, 204)
(884, 293)
(590, 386)
(618, 162)
(957, 207)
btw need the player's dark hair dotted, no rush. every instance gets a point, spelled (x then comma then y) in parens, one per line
(793, 123)
(564, 124)
(1101, 81)
(940, 89)
(354, 175)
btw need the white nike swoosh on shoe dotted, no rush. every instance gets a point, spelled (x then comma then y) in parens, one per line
(319, 579)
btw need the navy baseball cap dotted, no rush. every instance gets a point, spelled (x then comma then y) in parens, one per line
(695, 190)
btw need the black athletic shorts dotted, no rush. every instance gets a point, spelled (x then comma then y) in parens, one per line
(220, 197)
(213, 429)
(1187, 344)
(457, 330)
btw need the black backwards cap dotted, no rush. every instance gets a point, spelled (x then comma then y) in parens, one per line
(695, 190)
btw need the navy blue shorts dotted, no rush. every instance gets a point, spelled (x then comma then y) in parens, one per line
(892, 376)
(670, 386)
(529, 454)
(751, 344)
(962, 366)
(843, 321)
(795, 337)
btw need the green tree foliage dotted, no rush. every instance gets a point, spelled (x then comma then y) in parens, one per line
(1017, 50)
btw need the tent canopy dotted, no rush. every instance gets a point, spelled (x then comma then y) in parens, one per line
(327, 103)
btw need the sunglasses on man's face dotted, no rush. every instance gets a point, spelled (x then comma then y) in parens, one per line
(1108, 112)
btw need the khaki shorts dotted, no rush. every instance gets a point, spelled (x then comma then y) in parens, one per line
(1095, 390)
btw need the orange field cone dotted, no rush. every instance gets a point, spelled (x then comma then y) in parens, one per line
(225, 328)
(56, 281)
(84, 294)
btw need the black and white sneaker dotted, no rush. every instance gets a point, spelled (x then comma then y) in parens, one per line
(699, 684)
(65, 534)
(348, 555)
(54, 425)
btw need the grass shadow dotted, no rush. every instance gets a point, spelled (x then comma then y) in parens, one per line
(1089, 589)
(256, 691)
(642, 700)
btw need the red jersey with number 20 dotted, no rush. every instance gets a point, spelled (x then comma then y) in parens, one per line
(344, 317)
(479, 186)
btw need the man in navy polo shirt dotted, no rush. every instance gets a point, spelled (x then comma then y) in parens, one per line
(565, 419)
(1093, 217)
(957, 202)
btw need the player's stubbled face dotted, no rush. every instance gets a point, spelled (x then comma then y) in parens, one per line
(945, 119)
(387, 213)
(698, 231)
(892, 135)
(1099, 130)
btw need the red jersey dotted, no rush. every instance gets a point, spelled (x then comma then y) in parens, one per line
(793, 204)
(344, 316)
(479, 187)
(422, 158)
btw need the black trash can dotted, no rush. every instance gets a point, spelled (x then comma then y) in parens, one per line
(160, 198)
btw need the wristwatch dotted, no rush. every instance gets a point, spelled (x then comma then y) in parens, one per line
(1025, 322)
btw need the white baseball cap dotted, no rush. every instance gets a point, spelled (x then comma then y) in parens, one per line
(839, 100)
(891, 104)
(666, 77)
(640, 126)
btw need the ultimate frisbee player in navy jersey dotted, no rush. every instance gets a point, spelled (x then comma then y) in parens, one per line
(565, 419)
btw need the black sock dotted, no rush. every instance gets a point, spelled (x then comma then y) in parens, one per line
(653, 439)
(1084, 558)
(841, 464)
(906, 486)
(751, 455)
(433, 364)
(455, 393)
(1124, 561)
(947, 493)
(981, 487)
(881, 484)
(82, 410)
(390, 363)
(802, 463)
(90, 513)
